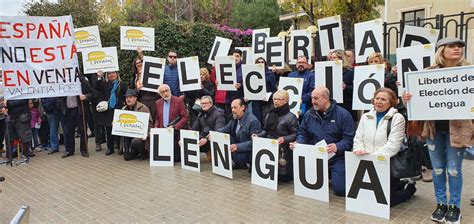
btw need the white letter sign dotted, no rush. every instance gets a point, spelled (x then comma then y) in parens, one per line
(411, 59)
(161, 148)
(226, 73)
(294, 86)
(367, 79)
(265, 163)
(221, 155)
(254, 82)
(153, 71)
(258, 42)
(275, 47)
(189, 74)
(368, 39)
(329, 74)
(414, 35)
(310, 164)
(368, 184)
(301, 43)
(190, 155)
(330, 34)
(220, 47)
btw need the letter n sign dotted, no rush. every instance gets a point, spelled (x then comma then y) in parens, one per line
(368, 184)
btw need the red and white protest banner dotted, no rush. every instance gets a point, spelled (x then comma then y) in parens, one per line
(38, 57)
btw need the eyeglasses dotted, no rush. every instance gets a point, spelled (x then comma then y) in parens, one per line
(170, 56)
(138, 62)
(205, 103)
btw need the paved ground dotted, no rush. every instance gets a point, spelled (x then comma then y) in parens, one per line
(104, 189)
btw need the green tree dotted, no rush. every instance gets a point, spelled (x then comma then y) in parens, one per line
(258, 14)
(353, 11)
(83, 12)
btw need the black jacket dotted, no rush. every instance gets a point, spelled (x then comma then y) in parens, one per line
(209, 121)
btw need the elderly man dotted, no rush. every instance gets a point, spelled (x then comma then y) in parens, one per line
(241, 128)
(171, 113)
(308, 83)
(210, 118)
(136, 147)
(332, 123)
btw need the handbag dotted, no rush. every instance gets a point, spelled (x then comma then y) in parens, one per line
(102, 106)
(405, 163)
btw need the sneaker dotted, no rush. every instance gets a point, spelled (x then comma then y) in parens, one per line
(427, 174)
(439, 213)
(453, 215)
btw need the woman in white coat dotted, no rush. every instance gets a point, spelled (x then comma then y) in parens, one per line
(371, 137)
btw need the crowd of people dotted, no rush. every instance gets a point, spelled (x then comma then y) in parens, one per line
(441, 145)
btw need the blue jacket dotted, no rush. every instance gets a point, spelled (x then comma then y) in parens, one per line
(270, 81)
(308, 85)
(239, 93)
(336, 126)
(243, 138)
(171, 78)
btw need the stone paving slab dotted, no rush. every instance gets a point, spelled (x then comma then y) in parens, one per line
(103, 189)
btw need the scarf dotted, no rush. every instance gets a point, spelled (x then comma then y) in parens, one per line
(113, 97)
(272, 118)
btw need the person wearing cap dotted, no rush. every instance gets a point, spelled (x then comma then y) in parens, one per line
(447, 141)
(113, 91)
(136, 148)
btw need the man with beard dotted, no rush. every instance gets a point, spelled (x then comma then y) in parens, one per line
(241, 128)
(210, 118)
(136, 147)
(171, 113)
(304, 73)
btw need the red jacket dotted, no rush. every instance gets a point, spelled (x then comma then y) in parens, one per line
(177, 108)
(219, 96)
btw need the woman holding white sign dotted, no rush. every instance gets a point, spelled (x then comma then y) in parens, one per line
(282, 125)
(371, 137)
(447, 141)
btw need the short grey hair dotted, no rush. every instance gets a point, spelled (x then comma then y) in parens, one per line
(207, 97)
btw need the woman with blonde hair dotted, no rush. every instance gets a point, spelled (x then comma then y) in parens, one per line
(447, 141)
(347, 79)
(282, 125)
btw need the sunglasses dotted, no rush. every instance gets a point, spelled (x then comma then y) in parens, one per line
(172, 56)
(260, 62)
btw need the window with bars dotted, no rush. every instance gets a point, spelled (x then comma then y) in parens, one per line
(411, 16)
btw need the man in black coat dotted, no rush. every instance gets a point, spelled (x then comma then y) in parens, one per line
(210, 118)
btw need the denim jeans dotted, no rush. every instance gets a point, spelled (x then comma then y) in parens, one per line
(446, 160)
(53, 120)
(35, 132)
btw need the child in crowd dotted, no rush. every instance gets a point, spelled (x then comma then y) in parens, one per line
(35, 121)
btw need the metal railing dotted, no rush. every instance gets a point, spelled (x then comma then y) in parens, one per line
(456, 25)
(22, 216)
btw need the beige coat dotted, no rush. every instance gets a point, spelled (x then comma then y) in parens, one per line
(461, 132)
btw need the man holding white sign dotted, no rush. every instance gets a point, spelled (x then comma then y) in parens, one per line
(240, 129)
(328, 121)
(136, 147)
(446, 139)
